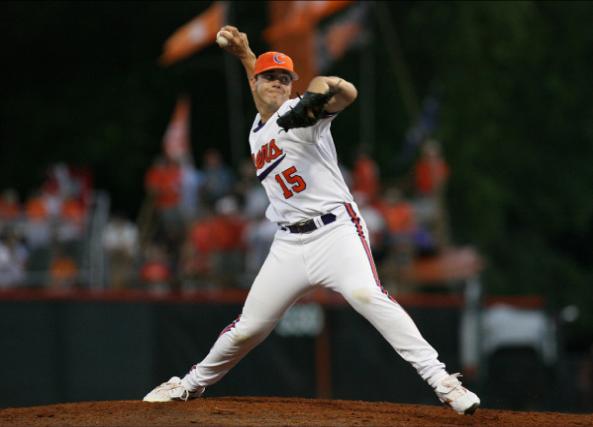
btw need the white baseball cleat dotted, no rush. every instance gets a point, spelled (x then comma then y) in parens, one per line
(452, 393)
(172, 390)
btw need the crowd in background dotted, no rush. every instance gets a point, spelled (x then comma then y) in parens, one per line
(203, 226)
(42, 237)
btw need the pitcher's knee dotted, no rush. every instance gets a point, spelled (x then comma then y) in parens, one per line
(247, 330)
(361, 295)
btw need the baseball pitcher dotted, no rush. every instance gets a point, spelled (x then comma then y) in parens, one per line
(321, 240)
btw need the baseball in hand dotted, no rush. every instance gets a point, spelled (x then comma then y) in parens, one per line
(221, 40)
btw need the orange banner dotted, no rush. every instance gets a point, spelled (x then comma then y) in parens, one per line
(292, 30)
(176, 140)
(340, 36)
(288, 17)
(195, 35)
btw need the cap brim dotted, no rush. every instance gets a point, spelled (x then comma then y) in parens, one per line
(294, 75)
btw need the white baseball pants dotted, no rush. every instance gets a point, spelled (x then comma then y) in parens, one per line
(336, 256)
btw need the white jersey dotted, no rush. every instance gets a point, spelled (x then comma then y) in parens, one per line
(298, 169)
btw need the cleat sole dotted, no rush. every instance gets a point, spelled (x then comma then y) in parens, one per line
(472, 409)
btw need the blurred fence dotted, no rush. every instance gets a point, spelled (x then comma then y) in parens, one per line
(66, 347)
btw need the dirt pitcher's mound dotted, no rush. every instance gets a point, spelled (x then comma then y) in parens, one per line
(262, 411)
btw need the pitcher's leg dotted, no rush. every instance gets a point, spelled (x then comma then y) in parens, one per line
(398, 328)
(281, 281)
(358, 281)
(353, 274)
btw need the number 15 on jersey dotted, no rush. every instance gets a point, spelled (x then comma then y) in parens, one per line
(290, 182)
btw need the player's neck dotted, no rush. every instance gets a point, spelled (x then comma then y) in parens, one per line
(266, 110)
(264, 117)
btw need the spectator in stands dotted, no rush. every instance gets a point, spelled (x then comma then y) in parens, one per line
(58, 182)
(63, 271)
(10, 208)
(254, 197)
(65, 181)
(38, 236)
(365, 176)
(213, 254)
(52, 195)
(196, 263)
(10, 275)
(71, 221)
(259, 232)
(155, 274)
(163, 182)
(120, 241)
(56, 213)
(37, 228)
(192, 183)
(402, 226)
(431, 173)
(431, 170)
(228, 227)
(219, 179)
(398, 212)
(13, 258)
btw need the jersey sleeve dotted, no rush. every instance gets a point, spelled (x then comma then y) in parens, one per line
(323, 125)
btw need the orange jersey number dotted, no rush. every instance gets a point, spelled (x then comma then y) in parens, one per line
(297, 183)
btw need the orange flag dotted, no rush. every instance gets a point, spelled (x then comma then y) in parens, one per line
(195, 35)
(337, 37)
(176, 140)
(320, 9)
(292, 30)
(299, 16)
(340, 36)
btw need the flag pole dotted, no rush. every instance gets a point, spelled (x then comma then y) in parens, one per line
(234, 82)
(367, 94)
(396, 56)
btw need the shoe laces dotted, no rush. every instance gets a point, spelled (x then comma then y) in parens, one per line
(176, 389)
(451, 387)
(184, 395)
(452, 380)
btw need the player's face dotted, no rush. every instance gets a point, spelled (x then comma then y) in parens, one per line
(273, 87)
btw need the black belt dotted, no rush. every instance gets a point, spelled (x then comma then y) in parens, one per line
(309, 225)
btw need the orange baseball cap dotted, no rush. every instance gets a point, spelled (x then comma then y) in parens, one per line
(274, 61)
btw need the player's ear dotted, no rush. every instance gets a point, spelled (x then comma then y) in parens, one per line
(252, 83)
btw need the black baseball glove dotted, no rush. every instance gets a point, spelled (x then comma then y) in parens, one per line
(307, 112)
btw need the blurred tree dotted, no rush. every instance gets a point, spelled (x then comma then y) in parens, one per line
(517, 125)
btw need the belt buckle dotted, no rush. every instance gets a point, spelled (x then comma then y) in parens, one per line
(301, 223)
(304, 226)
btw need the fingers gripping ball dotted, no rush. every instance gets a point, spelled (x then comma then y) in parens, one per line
(222, 38)
(307, 112)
